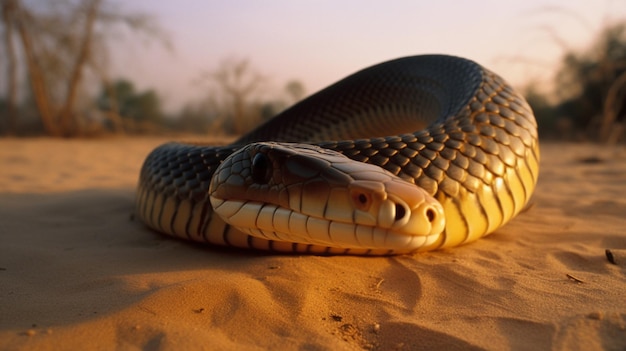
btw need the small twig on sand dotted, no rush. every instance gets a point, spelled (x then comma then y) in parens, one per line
(574, 278)
(609, 256)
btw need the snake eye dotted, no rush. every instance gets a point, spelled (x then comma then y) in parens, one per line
(260, 168)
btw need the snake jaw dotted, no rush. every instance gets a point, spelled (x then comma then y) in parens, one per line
(279, 224)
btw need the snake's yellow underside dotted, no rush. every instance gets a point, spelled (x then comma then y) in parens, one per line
(442, 123)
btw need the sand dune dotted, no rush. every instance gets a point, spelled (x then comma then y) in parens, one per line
(76, 272)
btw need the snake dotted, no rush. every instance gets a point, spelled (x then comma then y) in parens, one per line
(418, 153)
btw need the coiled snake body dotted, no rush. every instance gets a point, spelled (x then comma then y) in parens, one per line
(413, 154)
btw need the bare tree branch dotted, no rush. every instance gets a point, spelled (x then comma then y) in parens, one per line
(68, 123)
(58, 44)
(610, 128)
(38, 84)
(238, 82)
(8, 12)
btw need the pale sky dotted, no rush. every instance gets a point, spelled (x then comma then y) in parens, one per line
(319, 42)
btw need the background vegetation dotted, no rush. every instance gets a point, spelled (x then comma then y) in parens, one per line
(589, 97)
(61, 54)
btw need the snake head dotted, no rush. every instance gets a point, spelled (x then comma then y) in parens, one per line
(310, 195)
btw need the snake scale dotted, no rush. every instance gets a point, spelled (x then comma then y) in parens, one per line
(413, 154)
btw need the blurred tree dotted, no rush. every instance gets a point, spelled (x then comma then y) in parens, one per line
(233, 104)
(138, 111)
(236, 82)
(543, 110)
(56, 120)
(296, 91)
(8, 13)
(58, 42)
(590, 88)
(197, 118)
(267, 110)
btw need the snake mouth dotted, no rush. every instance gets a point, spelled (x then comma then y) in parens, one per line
(276, 223)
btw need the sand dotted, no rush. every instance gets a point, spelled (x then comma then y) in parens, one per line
(76, 272)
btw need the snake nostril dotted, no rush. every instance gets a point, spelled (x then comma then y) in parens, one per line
(430, 214)
(400, 212)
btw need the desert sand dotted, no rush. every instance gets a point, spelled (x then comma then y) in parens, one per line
(77, 272)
